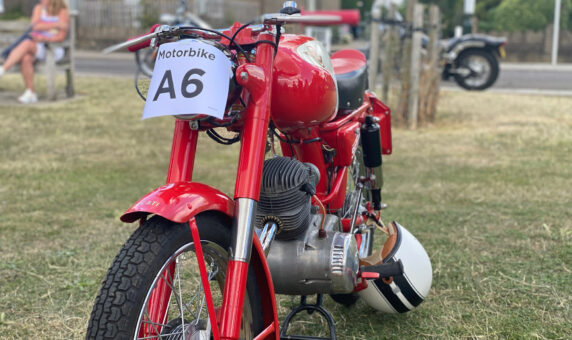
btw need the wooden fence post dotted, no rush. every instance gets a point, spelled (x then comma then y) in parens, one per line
(434, 61)
(389, 54)
(405, 67)
(413, 100)
(431, 73)
(374, 45)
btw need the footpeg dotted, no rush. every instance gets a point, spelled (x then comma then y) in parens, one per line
(309, 308)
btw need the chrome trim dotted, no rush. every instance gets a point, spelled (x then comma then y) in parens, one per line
(267, 235)
(366, 234)
(354, 215)
(460, 47)
(243, 229)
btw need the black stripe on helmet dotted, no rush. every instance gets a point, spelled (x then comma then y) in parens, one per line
(407, 290)
(390, 296)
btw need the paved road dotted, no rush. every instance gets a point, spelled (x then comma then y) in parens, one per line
(559, 78)
(528, 78)
(93, 63)
(525, 78)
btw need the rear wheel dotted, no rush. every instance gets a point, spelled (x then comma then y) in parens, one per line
(476, 70)
(153, 289)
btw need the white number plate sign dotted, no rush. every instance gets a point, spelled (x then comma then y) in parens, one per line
(190, 77)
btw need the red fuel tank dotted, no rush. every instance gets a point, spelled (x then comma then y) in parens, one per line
(304, 91)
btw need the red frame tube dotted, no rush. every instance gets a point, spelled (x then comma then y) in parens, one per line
(336, 124)
(183, 153)
(336, 195)
(266, 332)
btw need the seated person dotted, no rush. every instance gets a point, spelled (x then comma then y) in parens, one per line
(50, 23)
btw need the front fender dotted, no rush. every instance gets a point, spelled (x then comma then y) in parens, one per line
(180, 201)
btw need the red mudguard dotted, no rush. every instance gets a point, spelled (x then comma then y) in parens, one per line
(180, 202)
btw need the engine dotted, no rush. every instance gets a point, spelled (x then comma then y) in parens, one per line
(301, 262)
(285, 192)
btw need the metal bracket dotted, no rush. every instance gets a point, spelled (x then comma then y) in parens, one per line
(309, 308)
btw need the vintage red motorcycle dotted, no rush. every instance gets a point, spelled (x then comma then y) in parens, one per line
(203, 265)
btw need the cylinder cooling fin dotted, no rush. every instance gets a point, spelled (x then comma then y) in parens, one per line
(285, 193)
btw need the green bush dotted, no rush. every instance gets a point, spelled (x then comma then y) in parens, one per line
(149, 15)
(13, 13)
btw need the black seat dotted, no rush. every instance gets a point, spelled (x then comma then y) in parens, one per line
(350, 69)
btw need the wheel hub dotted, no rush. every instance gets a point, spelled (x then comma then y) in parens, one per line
(191, 331)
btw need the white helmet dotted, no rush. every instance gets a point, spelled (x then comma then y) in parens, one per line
(400, 293)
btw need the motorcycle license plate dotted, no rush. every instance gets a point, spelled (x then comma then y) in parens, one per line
(189, 77)
(502, 52)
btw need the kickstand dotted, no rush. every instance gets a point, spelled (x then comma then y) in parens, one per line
(309, 308)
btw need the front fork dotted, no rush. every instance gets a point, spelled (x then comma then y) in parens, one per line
(257, 80)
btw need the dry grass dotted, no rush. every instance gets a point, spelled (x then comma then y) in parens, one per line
(485, 189)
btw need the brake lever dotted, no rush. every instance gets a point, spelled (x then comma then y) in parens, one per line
(163, 32)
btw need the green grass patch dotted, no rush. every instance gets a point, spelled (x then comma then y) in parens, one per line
(486, 189)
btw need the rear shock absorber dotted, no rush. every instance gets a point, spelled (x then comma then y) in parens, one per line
(371, 145)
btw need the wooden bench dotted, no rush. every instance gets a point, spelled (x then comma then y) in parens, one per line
(49, 67)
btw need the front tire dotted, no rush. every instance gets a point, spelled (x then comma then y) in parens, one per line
(160, 253)
(477, 70)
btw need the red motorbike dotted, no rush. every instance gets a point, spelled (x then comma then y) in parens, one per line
(203, 265)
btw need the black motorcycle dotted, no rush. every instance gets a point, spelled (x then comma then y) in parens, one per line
(472, 60)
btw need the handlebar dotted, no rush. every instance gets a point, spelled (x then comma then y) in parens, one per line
(133, 44)
(278, 19)
(145, 43)
(167, 32)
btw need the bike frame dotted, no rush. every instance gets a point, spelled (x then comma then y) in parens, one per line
(181, 199)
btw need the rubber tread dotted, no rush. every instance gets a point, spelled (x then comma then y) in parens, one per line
(493, 62)
(145, 252)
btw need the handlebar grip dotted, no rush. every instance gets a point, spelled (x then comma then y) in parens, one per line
(143, 44)
(385, 269)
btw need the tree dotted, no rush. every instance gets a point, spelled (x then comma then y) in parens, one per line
(451, 14)
(364, 6)
(482, 12)
(505, 15)
(148, 15)
(521, 15)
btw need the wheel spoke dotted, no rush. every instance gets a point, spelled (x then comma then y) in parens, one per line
(184, 305)
(152, 324)
(180, 297)
(211, 274)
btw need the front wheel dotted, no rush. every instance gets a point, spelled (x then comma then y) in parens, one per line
(153, 289)
(145, 60)
(476, 70)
